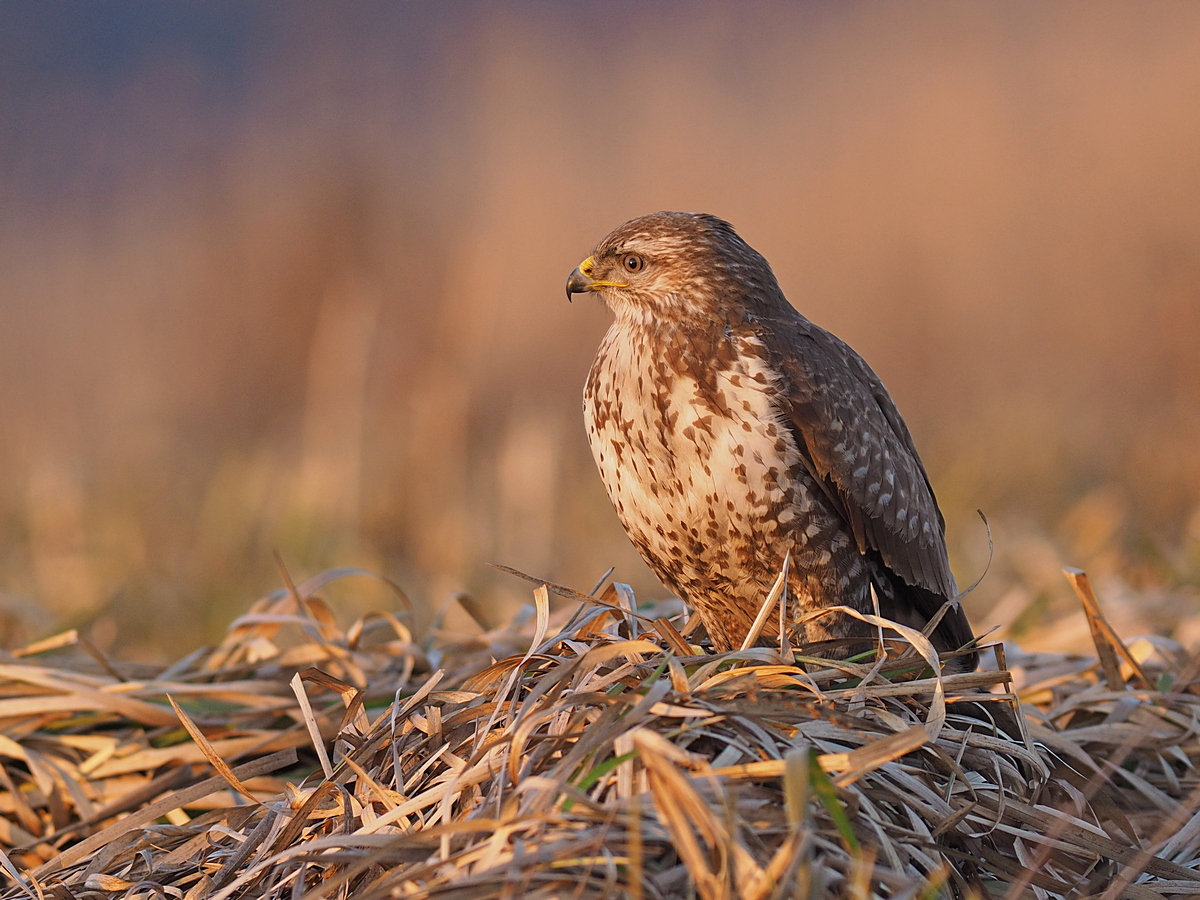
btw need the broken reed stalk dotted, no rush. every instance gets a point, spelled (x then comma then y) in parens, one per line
(600, 756)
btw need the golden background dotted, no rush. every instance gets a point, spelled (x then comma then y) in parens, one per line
(289, 277)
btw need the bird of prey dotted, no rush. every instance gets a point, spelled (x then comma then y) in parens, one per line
(730, 431)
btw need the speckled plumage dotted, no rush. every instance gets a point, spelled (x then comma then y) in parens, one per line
(728, 430)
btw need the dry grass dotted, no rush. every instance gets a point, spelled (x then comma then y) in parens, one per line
(592, 752)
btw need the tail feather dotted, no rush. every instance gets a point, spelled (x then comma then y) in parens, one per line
(915, 606)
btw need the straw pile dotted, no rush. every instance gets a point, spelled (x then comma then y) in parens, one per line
(592, 752)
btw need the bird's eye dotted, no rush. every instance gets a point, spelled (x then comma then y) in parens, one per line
(634, 263)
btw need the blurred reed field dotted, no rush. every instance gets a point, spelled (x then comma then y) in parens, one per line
(290, 278)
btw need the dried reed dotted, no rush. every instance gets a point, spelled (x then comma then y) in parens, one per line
(593, 752)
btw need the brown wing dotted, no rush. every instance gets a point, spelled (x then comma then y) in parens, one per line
(858, 448)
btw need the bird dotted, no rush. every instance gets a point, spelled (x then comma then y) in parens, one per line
(731, 433)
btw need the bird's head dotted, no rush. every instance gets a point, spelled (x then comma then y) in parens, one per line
(674, 264)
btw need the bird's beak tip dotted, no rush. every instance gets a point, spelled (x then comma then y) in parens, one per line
(578, 283)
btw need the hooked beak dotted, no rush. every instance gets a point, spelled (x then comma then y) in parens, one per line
(581, 280)
(579, 283)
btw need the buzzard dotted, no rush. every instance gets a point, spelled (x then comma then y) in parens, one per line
(730, 431)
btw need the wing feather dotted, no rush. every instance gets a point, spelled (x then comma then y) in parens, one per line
(858, 448)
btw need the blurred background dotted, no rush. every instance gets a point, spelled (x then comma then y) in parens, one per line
(289, 276)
